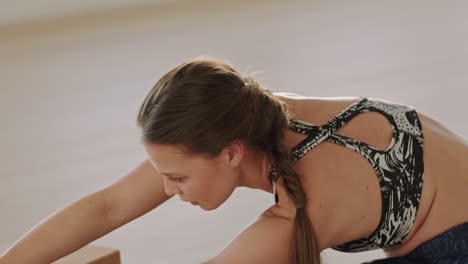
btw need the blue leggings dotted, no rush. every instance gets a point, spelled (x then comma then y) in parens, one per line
(450, 247)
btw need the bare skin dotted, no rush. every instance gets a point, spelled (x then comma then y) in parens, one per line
(344, 198)
(348, 195)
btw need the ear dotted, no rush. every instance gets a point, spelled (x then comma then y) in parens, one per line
(234, 153)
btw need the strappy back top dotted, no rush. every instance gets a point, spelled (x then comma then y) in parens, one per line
(399, 167)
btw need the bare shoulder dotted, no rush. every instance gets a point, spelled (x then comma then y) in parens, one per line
(266, 240)
(298, 101)
(289, 95)
(296, 96)
(315, 110)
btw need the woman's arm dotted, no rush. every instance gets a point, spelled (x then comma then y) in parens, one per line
(266, 240)
(89, 218)
(134, 195)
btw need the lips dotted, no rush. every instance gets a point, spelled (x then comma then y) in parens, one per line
(194, 203)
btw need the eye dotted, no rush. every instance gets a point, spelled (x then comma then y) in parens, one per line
(175, 179)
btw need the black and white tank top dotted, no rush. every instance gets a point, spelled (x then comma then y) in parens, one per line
(399, 167)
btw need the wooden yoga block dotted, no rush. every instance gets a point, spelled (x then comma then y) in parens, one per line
(92, 254)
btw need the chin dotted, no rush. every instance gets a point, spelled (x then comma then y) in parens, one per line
(208, 208)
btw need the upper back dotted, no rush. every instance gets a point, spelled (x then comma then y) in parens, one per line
(337, 181)
(341, 185)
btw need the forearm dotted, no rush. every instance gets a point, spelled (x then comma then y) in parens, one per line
(61, 233)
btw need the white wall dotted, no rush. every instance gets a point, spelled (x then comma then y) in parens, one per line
(71, 89)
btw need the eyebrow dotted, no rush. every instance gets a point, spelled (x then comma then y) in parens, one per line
(171, 174)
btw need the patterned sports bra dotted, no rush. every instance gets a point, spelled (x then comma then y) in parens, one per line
(399, 167)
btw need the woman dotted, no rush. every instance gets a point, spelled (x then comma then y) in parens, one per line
(352, 174)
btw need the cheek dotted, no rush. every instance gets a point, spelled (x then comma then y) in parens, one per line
(213, 185)
(223, 187)
(203, 189)
(196, 189)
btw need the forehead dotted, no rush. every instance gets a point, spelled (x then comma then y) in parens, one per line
(174, 156)
(166, 152)
(167, 158)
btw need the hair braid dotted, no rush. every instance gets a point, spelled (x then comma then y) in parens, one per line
(305, 248)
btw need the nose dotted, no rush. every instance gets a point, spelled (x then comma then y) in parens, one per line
(171, 188)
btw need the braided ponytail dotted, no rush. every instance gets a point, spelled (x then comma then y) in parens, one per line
(305, 248)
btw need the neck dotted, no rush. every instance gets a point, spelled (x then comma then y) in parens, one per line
(254, 170)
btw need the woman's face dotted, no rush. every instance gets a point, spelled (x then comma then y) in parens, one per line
(198, 179)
